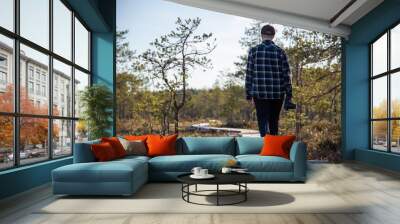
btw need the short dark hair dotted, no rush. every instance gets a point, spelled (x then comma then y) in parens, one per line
(268, 30)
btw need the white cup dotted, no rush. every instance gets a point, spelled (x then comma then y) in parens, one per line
(203, 172)
(226, 170)
(196, 171)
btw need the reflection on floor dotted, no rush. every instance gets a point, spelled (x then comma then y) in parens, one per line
(379, 190)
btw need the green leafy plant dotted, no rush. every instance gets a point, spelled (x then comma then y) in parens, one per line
(97, 103)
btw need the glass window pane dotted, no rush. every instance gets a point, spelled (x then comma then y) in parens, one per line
(379, 135)
(33, 139)
(379, 56)
(6, 142)
(81, 82)
(395, 47)
(62, 89)
(35, 21)
(62, 29)
(81, 131)
(7, 14)
(395, 138)
(81, 45)
(395, 95)
(34, 97)
(379, 97)
(6, 74)
(62, 138)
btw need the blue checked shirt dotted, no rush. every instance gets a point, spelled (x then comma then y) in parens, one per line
(267, 73)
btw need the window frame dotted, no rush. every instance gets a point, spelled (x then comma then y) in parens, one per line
(388, 74)
(16, 114)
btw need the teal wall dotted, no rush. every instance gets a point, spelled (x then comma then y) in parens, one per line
(100, 16)
(24, 178)
(355, 85)
(103, 53)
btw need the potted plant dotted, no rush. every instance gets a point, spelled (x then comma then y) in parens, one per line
(96, 102)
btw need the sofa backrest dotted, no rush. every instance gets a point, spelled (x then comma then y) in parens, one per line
(206, 145)
(83, 152)
(249, 145)
(190, 146)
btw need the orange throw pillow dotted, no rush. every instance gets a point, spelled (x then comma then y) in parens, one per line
(275, 145)
(116, 145)
(103, 152)
(161, 145)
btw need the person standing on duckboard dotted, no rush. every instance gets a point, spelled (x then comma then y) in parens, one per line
(268, 82)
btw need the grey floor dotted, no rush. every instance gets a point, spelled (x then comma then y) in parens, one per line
(378, 189)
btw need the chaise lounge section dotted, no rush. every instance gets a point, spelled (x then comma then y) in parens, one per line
(125, 176)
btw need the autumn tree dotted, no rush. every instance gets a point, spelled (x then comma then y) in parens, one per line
(33, 131)
(174, 56)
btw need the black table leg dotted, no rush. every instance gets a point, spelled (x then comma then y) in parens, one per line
(217, 194)
(245, 193)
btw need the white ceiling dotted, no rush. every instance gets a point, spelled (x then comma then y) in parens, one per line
(315, 15)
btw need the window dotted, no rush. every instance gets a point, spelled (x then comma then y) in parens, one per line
(81, 82)
(7, 14)
(46, 76)
(30, 72)
(62, 137)
(385, 95)
(62, 29)
(44, 91)
(35, 21)
(3, 78)
(3, 61)
(30, 88)
(37, 74)
(3, 71)
(6, 142)
(81, 45)
(62, 74)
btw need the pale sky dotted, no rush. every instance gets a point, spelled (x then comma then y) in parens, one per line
(147, 20)
(35, 27)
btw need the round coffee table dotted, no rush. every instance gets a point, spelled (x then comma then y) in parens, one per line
(238, 179)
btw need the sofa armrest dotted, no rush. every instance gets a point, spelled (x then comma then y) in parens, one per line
(83, 152)
(298, 155)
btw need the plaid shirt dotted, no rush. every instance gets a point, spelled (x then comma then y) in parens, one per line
(268, 73)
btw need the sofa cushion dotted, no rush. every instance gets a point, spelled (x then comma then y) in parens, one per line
(249, 145)
(277, 145)
(135, 147)
(160, 145)
(257, 163)
(185, 163)
(116, 145)
(206, 145)
(112, 171)
(103, 152)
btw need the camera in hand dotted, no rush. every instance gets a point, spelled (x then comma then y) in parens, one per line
(289, 105)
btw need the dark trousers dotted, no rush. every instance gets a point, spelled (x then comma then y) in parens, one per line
(268, 115)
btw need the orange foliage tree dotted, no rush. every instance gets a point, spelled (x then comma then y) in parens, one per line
(33, 131)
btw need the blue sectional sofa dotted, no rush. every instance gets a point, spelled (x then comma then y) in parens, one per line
(125, 176)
